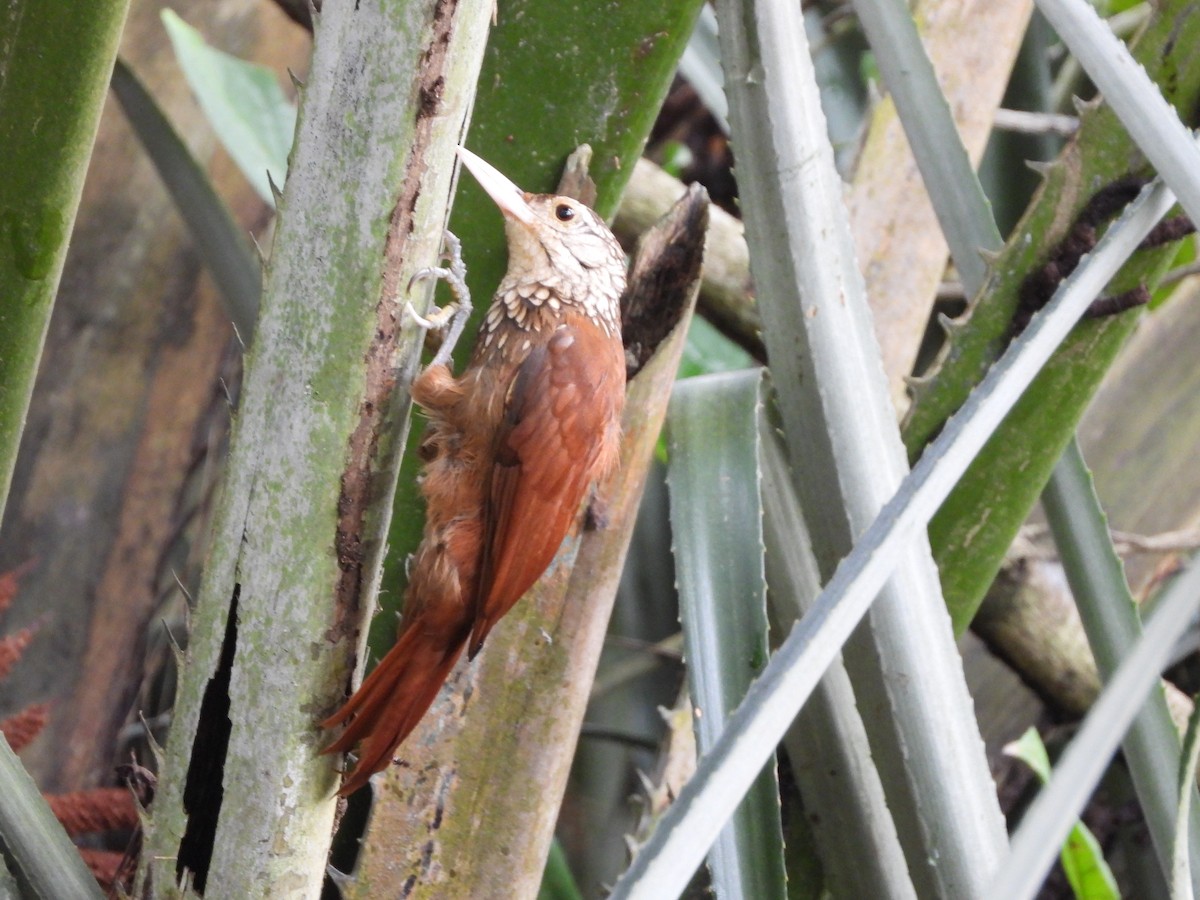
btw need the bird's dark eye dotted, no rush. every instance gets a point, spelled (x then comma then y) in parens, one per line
(564, 213)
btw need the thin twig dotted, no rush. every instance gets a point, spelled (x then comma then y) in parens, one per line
(1024, 122)
(1181, 541)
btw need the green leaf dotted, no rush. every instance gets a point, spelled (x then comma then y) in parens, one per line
(1029, 749)
(1082, 857)
(707, 351)
(716, 520)
(247, 108)
(54, 64)
(558, 883)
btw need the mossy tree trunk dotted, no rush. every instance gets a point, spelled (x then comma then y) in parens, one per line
(246, 803)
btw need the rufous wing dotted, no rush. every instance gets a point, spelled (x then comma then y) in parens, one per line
(560, 432)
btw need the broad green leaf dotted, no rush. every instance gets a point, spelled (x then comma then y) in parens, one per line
(716, 520)
(244, 103)
(706, 352)
(1082, 859)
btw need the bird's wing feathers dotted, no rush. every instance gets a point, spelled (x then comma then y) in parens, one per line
(558, 434)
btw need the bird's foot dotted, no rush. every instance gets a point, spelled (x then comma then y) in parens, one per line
(452, 318)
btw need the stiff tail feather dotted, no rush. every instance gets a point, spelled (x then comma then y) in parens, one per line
(392, 700)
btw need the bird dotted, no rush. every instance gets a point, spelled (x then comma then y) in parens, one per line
(510, 452)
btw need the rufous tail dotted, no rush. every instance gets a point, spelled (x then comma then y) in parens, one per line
(392, 700)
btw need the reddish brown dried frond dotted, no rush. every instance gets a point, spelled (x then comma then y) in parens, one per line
(10, 581)
(20, 729)
(94, 811)
(12, 648)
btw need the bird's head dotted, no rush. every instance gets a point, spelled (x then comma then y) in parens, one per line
(556, 242)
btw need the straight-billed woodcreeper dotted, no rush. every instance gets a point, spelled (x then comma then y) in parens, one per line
(512, 446)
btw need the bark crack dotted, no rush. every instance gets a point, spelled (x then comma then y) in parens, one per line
(204, 789)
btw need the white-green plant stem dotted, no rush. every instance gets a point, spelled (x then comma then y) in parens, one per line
(845, 446)
(1123, 25)
(827, 744)
(1151, 121)
(683, 836)
(1110, 619)
(1048, 821)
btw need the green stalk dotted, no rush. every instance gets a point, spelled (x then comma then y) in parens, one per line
(55, 60)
